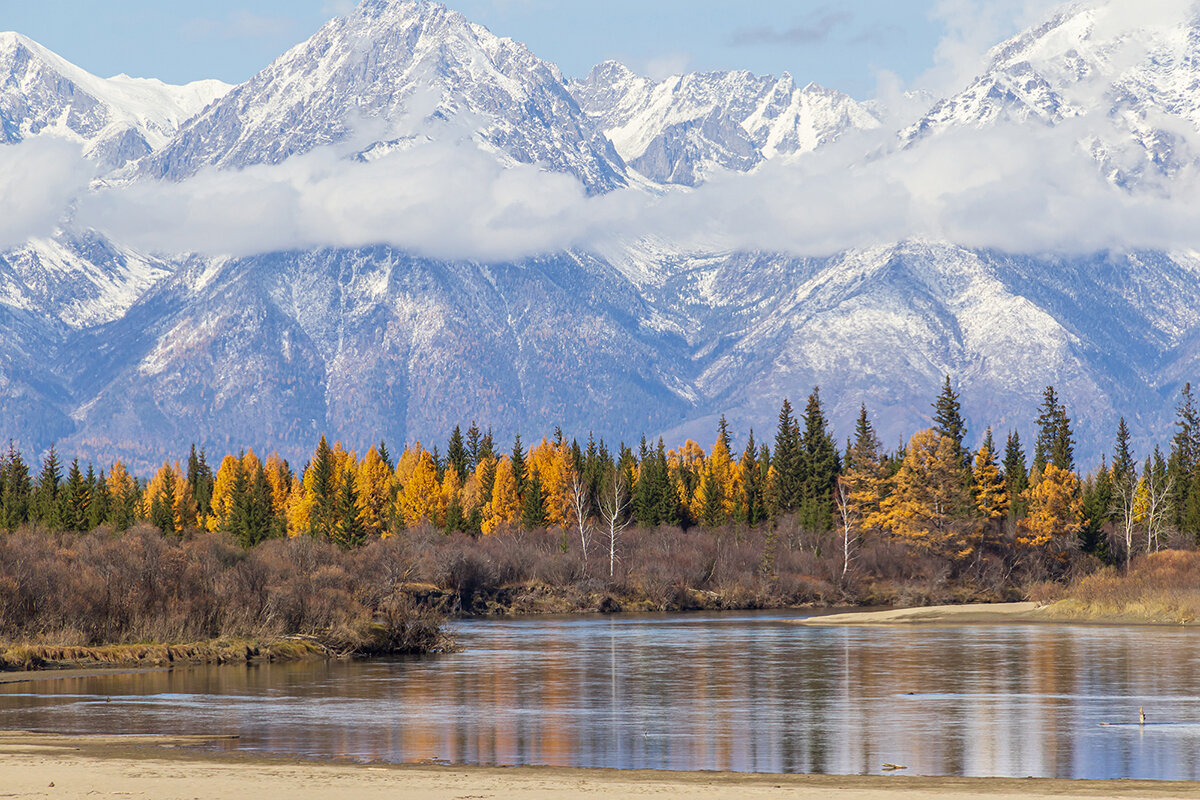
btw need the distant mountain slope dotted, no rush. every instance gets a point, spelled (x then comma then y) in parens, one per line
(371, 77)
(116, 119)
(679, 130)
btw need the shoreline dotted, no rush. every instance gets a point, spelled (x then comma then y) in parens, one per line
(38, 764)
(1063, 612)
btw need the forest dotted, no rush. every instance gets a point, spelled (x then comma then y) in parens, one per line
(567, 525)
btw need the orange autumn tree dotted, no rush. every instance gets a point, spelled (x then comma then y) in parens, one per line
(420, 493)
(929, 502)
(505, 506)
(168, 501)
(375, 492)
(1055, 509)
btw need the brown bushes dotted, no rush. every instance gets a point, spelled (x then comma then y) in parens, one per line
(1159, 587)
(143, 587)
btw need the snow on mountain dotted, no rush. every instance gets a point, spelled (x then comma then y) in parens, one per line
(680, 130)
(1130, 88)
(116, 119)
(375, 76)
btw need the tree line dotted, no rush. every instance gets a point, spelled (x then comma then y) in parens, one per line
(933, 492)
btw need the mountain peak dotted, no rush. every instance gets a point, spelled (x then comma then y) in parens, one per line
(397, 63)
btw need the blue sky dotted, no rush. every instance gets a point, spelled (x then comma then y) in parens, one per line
(844, 45)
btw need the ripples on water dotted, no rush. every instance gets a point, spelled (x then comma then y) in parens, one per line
(714, 692)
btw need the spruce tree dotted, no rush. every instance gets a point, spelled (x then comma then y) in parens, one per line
(752, 511)
(1123, 467)
(473, 442)
(786, 460)
(1016, 476)
(1097, 508)
(820, 466)
(162, 506)
(520, 472)
(948, 421)
(1184, 458)
(73, 501)
(45, 496)
(200, 478)
(324, 492)
(1055, 441)
(385, 456)
(456, 454)
(533, 506)
(17, 493)
(350, 532)
(100, 507)
(667, 510)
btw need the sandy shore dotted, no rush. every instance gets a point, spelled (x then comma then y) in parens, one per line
(40, 765)
(966, 614)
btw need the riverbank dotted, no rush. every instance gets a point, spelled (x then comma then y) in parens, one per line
(970, 614)
(42, 765)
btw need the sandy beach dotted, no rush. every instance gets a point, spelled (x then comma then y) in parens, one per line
(42, 765)
(972, 614)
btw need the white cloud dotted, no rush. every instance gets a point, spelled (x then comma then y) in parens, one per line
(39, 178)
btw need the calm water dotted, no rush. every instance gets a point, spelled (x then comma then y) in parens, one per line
(724, 692)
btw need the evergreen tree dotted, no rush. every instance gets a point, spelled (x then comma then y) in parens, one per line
(349, 530)
(1016, 476)
(16, 495)
(45, 496)
(100, 507)
(948, 420)
(1055, 441)
(487, 446)
(1097, 509)
(723, 434)
(73, 501)
(1184, 460)
(789, 477)
(752, 509)
(533, 507)
(323, 517)
(665, 494)
(386, 456)
(473, 442)
(456, 453)
(819, 467)
(1123, 467)
(200, 478)
(520, 472)
(162, 505)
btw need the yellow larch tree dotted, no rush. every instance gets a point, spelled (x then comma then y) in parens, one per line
(419, 498)
(989, 489)
(222, 497)
(184, 506)
(119, 482)
(374, 492)
(552, 462)
(929, 501)
(279, 478)
(1055, 509)
(505, 505)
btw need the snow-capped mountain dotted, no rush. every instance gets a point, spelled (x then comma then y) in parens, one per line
(116, 119)
(376, 77)
(112, 352)
(1128, 89)
(682, 129)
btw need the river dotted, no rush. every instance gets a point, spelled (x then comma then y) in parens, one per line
(742, 692)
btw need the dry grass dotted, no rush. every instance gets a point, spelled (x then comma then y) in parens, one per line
(1160, 587)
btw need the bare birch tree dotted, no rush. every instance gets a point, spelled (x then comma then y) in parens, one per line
(1157, 495)
(581, 512)
(613, 510)
(1125, 498)
(848, 518)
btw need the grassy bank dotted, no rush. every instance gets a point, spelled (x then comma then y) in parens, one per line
(1162, 588)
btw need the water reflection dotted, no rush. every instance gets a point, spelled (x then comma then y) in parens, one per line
(735, 692)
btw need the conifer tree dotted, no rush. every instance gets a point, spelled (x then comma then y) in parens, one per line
(1016, 476)
(948, 420)
(386, 456)
(753, 510)
(472, 447)
(18, 490)
(820, 466)
(200, 479)
(988, 488)
(162, 503)
(1055, 441)
(100, 508)
(1184, 460)
(1098, 506)
(73, 501)
(322, 486)
(520, 471)
(787, 489)
(349, 532)
(456, 453)
(533, 509)
(45, 496)
(1123, 467)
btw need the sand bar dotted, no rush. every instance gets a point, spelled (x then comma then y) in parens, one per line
(973, 614)
(43, 765)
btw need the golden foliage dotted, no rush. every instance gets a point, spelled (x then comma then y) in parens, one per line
(1055, 508)
(928, 495)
